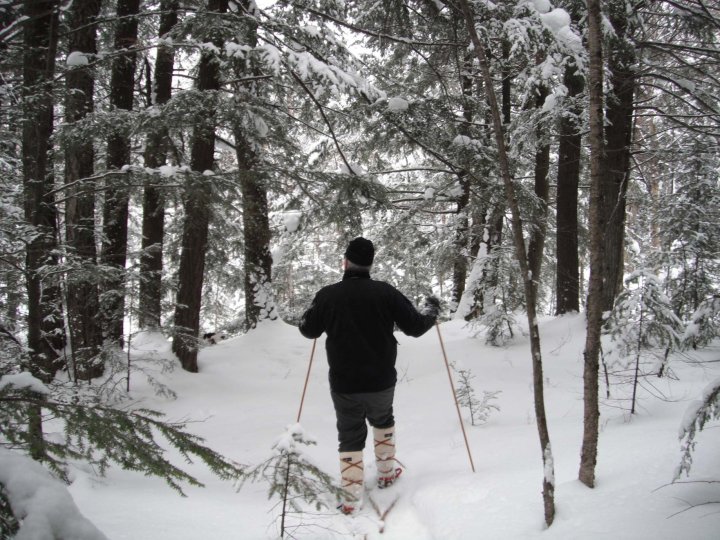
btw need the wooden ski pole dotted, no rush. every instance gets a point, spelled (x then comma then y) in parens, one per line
(457, 405)
(307, 378)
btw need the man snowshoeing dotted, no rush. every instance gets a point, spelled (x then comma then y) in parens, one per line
(359, 315)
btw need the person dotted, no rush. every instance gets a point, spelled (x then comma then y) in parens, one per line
(359, 315)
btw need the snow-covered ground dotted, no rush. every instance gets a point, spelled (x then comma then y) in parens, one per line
(248, 391)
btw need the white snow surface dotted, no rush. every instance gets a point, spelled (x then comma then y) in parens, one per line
(41, 503)
(247, 395)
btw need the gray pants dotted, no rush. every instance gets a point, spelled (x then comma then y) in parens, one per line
(352, 410)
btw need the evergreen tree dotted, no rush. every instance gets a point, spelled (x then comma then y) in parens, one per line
(642, 322)
(117, 189)
(157, 148)
(85, 331)
(196, 198)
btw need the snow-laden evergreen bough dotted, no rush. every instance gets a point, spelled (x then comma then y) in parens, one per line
(697, 416)
(93, 432)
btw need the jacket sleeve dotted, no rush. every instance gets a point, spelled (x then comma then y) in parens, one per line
(409, 319)
(311, 325)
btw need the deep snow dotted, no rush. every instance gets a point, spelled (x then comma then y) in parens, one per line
(248, 391)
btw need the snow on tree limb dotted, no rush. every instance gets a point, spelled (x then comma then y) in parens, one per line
(43, 506)
(697, 415)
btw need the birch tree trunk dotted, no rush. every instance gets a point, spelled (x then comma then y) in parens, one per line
(527, 277)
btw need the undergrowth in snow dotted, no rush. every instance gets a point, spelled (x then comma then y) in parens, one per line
(247, 394)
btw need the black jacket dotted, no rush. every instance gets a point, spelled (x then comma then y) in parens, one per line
(359, 315)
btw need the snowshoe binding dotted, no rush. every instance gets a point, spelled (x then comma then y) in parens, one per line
(387, 480)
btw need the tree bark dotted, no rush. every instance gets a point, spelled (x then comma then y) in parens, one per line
(618, 134)
(259, 302)
(462, 224)
(527, 277)
(591, 354)
(82, 282)
(45, 333)
(115, 209)
(567, 286)
(462, 219)
(198, 191)
(536, 247)
(259, 298)
(153, 223)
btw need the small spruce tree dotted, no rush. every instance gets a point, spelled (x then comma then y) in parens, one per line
(480, 409)
(642, 324)
(294, 478)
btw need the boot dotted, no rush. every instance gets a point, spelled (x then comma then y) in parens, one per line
(351, 473)
(387, 468)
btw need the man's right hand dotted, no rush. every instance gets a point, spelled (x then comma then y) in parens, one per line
(431, 306)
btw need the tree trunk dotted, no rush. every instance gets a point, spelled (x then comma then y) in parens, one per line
(462, 220)
(115, 210)
(591, 354)
(460, 262)
(45, 325)
(259, 298)
(567, 287)
(521, 253)
(153, 223)
(536, 246)
(82, 282)
(618, 134)
(198, 191)
(259, 302)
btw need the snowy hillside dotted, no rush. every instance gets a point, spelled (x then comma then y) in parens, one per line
(248, 390)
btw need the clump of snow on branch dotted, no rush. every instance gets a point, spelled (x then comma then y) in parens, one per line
(77, 59)
(43, 506)
(354, 169)
(24, 380)
(293, 435)
(291, 220)
(551, 101)
(463, 141)
(704, 326)
(397, 104)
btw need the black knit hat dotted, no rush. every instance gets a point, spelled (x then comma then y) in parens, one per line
(360, 251)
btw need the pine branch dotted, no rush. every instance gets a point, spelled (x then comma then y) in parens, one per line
(102, 435)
